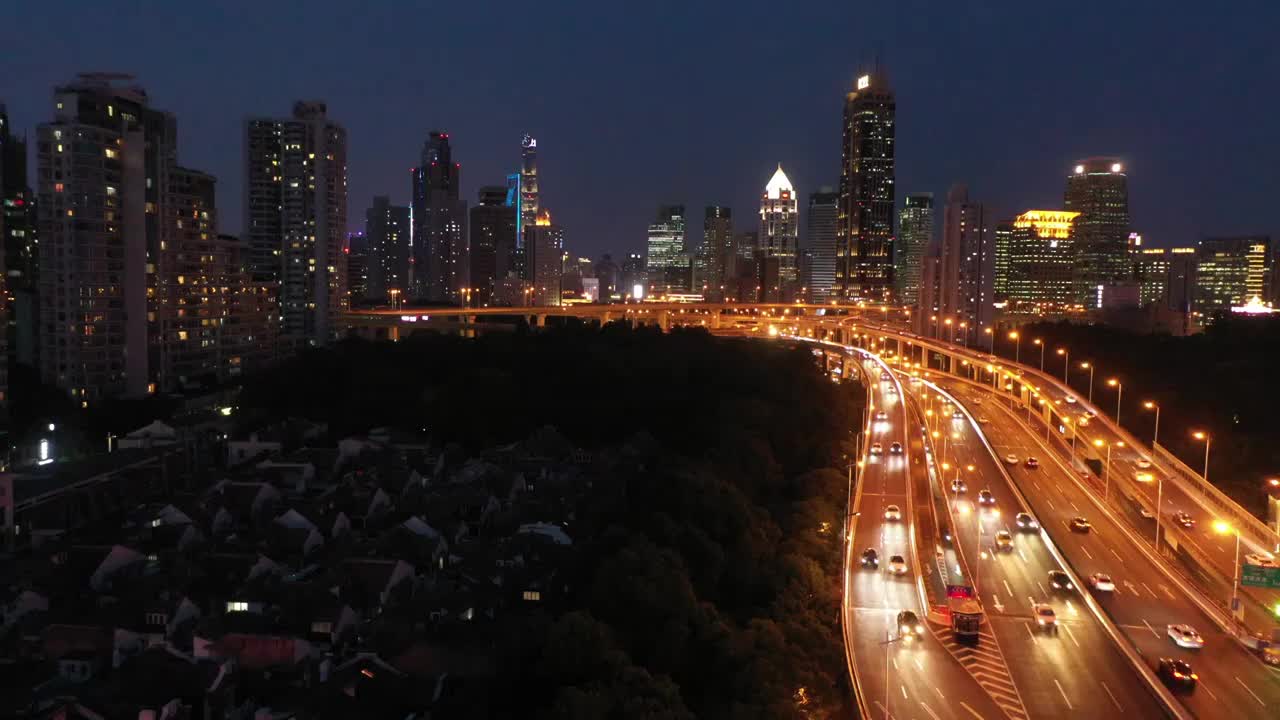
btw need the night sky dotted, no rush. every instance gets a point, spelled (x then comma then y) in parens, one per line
(695, 102)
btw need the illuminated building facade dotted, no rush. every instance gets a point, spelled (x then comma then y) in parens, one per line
(1098, 189)
(492, 243)
(666, 256)
(1002, 236)
(865, 224)
(966, 283)
(717, 249)
(296, 217)
(780, 228)
(915, 232)
(1231, 271)
(386, 235)
(438, 268)
(546, 257)
(820, 243)
(1041, 260)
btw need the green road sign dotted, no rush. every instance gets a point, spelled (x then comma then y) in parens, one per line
(1259, 576)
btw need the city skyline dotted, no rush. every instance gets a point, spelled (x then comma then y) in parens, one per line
(387, 119)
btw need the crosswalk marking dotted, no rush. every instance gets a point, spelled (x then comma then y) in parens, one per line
(984, 661)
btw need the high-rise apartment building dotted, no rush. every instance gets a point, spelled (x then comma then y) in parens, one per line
(915, 233)
(493, 243)
(1041, 261)
(1002, 236)
(1098, 189)
(386, 234)
(296, 217)
(820, 243)
(780, 228)
(666, 257)
(1231, 271)
(967, 279)
(865, 226)
(717, 248)
(610, 277)
(20, 271)
(438, 270)
(357, 252)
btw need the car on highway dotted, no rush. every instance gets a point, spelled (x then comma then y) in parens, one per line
(884, 377)
(1025, 522)
(870, 559)
(1046, 618)
(882, 416)
(893, 512)
(986, 498)
(876, 448)
(898, 565)
(957, 414)
(959, 486)
(1004, 541)
(1264, 559)
(1185, 520)
(1185, 636)
(1177, 674)
(1146, 513)
(1079, 524)
(977, 401)
(1059, 580)
(1102, 582)
(1143, 476)
(891, 390)
(1143, 464)
(1071, 399)
(1011, 459)
(1031, 463)
(909, 626)
(896, 448)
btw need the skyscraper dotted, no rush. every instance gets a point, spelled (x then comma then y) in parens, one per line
(1230, 271)
(1098, 189)
(438, 270)
(530, 202)
(864, 229)
(546, 253)
(296, 216)
(780, 227)
(717, 247)
(967, 279)
(666, 257)
(1041, 260)
(493, 243)
(386, 232)
(357, 252)
(1003, 236)
(820, 242)
(20, 271)
(608, 272)
(915, 232)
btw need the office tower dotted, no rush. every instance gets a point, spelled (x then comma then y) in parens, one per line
(18, 233)
(967, 279)
(915, 233)
(820, 243)
(357, 251)
(635, 278)
(1151, 271)
(1230, 271)
(1041, 259)
(493, 243)
(296, 217)
(609, 274)
(1098, 189)
(667, 258)
(1180, 288)
(780, 227)
(387, 229)
(717, 249)
(546, 258)
(927, 316)
(864, 229)
(438, 269)
(1002, 236)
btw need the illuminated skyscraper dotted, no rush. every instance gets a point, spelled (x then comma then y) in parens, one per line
(546, 253)
(780, 227)
(717, 247)
(296, 216)
(386, 232)
(1002, 236)
(864, 230)
(666, 257)
(967, 279)
(493, 243)
(1041, 260)
(1098, 189)
(820, 243)
(528, 198)
(438, 271)
(1231, 271)
(915, 232)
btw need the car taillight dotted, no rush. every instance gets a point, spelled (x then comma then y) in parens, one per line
(1195, 676)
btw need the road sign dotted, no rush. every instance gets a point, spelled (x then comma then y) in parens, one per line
(1260, 576)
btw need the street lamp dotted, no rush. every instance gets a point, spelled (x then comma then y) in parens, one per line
(1224, 528)
(1017, 346)
(1106, 469)
(1202, 435)
(1089, 367)
(1119, 391)
(951, 330)
(1037, 341)
(992, 333)
(1152, 405)
(964, 334)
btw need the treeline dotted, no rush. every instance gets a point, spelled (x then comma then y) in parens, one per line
(708, 582)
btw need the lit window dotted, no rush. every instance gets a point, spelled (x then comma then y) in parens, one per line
(237, 606)
(111, 191)
(57, 187)
(111, 153)
(182, 334)
(532, 595)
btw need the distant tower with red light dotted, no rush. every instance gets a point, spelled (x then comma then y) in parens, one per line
(439, 268)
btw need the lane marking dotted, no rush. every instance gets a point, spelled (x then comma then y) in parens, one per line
(904, 692)
(929, 710)
(1246, 687)
(1113, 697)
(1071, 634)
(1029, 633)
(1023, 556)
(1006, 587)
(1073, 506)
(1064, 694)
(965, 705)
(919, 665)
(940, 695)
(1153, 592)
(1153, 630)
(895, 665)
(884, 710)
(1206, 689)
(1165, 589)
(1049, 502)
(1086, 552)
(1113, 552)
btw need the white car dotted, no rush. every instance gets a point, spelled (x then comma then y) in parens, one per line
(1070, 399)
(977, 401)
(893, 512)
(1146, 513)
(1185, 636)
(1011, 459)
(876, 448)
(1265, 559)
(1143, 476)
(1046, 618)
(982, 420)
(1102, 582)
(1144, 464)
(882, 416)
(897, 565)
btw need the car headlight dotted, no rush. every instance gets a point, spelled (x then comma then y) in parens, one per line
(1040, 620)
(920, 628)
(905, 629)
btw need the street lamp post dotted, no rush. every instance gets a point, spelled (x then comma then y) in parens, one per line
(992, 333)
(1222, 528)
(1119, 386)
(1017, 346)
(1106, 469)
(1151, 405)
(1039, 342)
(1089, 367)
(1201, 435)
(951, 330)
(1066, 365)
(1159, 503)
